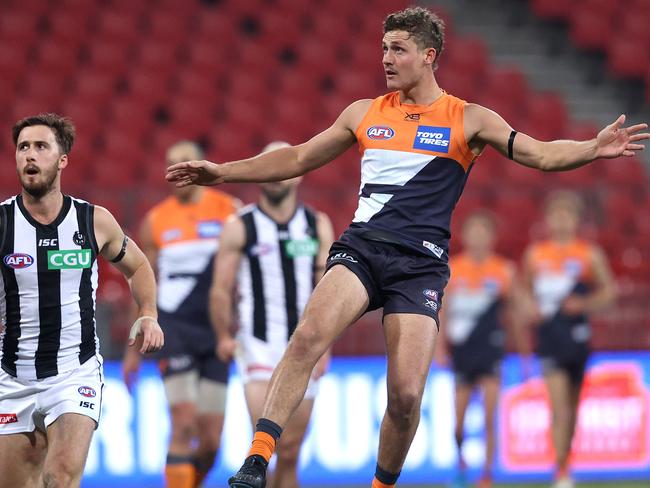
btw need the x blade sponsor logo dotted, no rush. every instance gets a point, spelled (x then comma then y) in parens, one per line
(74, 259)
(432, 304)
(18, 260)
(343, 256)
(8, 418)
(436, 139)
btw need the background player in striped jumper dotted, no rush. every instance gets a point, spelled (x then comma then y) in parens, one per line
(418, 144)
(273, 252)
(51, 379)
(179, 236)
(477, 300)
(567, 279)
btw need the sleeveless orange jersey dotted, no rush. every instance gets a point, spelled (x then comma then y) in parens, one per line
(186, 236)
(474, 298)
(413, 170)
(558, 271)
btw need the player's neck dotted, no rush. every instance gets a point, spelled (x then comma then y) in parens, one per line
(563, 239)
(44, 209)
(478, 255)
(280, 212)
(192, 198)
(421, 94)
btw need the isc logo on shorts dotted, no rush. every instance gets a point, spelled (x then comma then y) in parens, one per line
(436, 139)
(380, 132)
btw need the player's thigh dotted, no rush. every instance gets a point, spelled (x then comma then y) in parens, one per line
(338, 300)
(21, 458)
(255, 393)
(69, 439)
(558, 385)
(410, 341)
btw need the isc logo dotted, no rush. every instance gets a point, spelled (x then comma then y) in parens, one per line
(18, 260)
(380, 132)
(87, 391)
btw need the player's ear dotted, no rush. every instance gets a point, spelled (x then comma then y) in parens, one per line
(430, 55)
(63, 161)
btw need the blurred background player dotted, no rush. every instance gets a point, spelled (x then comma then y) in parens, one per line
(479, 291)
(52, 380)
(273, 252)
(180, 238)
(567, 279)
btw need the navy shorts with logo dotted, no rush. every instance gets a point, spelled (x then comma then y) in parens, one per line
(190, 347)
(395, 278)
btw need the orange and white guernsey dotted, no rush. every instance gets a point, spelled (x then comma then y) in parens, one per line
(186, 237)
(413, 170)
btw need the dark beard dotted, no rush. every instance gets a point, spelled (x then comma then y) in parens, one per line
(276, 199)
(39, 190)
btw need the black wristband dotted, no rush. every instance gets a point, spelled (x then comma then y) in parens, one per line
(511, 141)
(122, 252)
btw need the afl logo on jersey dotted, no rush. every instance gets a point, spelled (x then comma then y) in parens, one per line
(87, 391)
(18, 260)
(380, 132)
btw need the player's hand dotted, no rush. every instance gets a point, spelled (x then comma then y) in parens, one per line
(130, 368)
(146, 335)
(615, 140)
(322, 365)
(226, 348)
(574, 305)
(202, 173)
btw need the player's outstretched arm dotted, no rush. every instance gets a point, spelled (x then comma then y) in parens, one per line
(125, 255)
(281, 164)
(226, 266)
(483, 126)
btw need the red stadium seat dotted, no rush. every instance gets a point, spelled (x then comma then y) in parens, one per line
(468, 56)
(551, 9)
(591, 29)
(94, 86)
(120, 24)
(625, 55)
(106, 54)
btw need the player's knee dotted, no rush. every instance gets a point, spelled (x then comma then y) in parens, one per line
(404, 404)
(205, 458)
(60, 474)
(306, 344)
(288, 453)
(183, 424)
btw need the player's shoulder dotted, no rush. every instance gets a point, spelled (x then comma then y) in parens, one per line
(246, 210)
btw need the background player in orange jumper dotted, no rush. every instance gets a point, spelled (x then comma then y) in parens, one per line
(418, 143)
(180, 238)
(567, 279)
(477, 299)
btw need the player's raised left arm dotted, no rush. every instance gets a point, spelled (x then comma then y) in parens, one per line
(483, 127)
(127, 257)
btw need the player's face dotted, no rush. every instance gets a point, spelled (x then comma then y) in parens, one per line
(277, 191)
(562, 220)
(478, 235)
(38, 159)
(178, 154)
(404, 63)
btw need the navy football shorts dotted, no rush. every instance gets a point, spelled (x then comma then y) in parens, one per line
(187, 348)
(395, 278)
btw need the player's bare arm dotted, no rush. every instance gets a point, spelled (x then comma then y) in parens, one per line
(485, 127)
(604, 293)
(231, 247)
(127, 257)
(278, 165)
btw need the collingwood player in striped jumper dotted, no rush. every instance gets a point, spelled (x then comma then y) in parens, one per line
(51, 378)
(275, 251)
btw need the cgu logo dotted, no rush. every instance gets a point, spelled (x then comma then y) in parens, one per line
(87, 391)
(76, 259)
(380, 132)
(18, 260)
